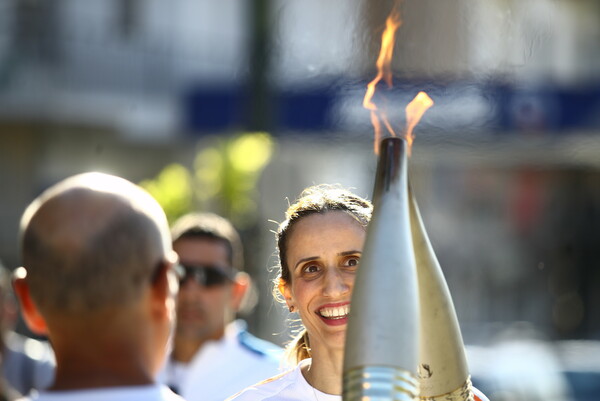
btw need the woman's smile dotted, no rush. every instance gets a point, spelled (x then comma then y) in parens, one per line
(334, 314)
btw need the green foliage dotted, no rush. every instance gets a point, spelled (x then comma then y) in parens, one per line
(172, 189)
(223, 179)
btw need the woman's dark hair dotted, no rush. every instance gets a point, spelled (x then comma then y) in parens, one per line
(316, 199)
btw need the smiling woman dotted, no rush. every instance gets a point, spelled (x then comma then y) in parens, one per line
(320, 245)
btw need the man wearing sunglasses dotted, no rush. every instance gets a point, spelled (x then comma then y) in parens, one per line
(213, 357)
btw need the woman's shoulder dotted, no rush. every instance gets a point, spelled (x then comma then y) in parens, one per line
(282, 387)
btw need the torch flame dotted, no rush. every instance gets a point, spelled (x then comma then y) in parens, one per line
(414, 111)
(384, 72)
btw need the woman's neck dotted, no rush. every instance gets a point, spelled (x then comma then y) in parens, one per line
(325, 371)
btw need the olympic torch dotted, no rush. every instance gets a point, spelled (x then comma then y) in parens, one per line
(382, 338)
(443, 372)
(402, 319)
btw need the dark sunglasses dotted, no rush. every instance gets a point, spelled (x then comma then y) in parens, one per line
(207, 276)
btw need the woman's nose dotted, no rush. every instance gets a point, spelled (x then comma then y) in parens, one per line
(334, 283)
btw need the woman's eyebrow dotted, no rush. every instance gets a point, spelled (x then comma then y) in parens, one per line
(305, 260)
(346, 253)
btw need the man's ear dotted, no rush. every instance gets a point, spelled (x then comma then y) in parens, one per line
(241, 287)
(29, 311)
(163, 291)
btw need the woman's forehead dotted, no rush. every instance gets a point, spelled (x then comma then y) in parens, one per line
(324, 231)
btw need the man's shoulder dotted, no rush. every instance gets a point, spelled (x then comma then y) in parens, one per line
(259, 347)
(27, 363)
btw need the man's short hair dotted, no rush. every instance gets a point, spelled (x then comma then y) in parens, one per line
(117, 247)
(211, 226)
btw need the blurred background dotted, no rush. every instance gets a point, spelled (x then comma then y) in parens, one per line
(234, 107)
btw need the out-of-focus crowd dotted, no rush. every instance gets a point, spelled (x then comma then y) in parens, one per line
(103, 278)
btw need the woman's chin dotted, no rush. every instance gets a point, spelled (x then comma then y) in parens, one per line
(335, 340)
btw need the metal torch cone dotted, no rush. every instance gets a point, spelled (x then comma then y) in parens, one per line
(381, 352)
(443, 371)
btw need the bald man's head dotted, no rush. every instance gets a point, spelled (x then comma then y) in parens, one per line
(92, 241)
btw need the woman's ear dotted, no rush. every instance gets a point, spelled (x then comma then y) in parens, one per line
(29, 311)
(285, 292)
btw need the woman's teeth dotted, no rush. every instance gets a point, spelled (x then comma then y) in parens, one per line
(335, 313)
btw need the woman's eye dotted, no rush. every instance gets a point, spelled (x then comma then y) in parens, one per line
(352, 261)
(311, 269)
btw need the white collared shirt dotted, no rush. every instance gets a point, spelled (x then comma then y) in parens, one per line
(222, 368)
(152, 392)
